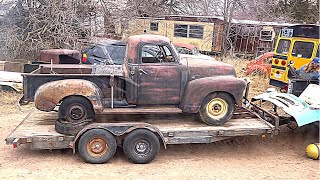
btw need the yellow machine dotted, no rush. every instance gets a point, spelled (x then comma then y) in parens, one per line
(296, 45)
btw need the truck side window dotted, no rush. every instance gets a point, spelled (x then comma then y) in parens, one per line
(317, 55)
(156, 54)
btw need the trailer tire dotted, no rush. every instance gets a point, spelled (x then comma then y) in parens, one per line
(67, 128)
(75, 109)
(97, 146)
(141, 146)
(216, 109)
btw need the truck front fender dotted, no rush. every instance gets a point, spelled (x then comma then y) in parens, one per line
(198, 89)
(50, 94)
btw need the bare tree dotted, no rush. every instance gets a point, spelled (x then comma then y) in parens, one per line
(31, 25)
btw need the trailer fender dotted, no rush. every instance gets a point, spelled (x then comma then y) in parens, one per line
(50, 94)
(198, 89)
(118, 129)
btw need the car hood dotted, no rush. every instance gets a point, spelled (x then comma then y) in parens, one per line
(6, 76)
(305, 109)
(203, 68)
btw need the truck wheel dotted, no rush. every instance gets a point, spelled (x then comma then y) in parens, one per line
(67, 128)
(75, 109)
(216, 109)
(141, 146)
(97, 146)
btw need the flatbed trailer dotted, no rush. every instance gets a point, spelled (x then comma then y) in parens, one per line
(37, 130)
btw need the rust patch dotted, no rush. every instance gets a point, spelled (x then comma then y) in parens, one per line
(52, 93)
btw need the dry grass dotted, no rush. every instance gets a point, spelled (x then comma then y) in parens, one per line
(9, 98)
(259, 84)
(9, 103)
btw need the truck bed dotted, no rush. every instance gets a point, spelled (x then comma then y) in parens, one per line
(48, 73)
(37, 128)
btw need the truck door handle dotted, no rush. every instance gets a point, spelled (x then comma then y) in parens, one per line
(142, 71)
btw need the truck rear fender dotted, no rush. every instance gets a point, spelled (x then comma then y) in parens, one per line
(50, 94)
(198, 89)
(118, 129)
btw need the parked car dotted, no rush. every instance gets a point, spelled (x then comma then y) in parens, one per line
(105, 53)
(186, 49)
(10, 81)
(261, 65)
(59, 56)
(54, 56)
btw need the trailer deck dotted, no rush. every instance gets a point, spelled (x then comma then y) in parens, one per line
(37, 128)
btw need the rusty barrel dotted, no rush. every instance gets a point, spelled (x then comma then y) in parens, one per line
(312, 151)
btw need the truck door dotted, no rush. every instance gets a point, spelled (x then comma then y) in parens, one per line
(159, 76)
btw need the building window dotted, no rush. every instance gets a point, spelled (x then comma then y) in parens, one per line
(195, 32)
(188, 31)
(266, 35)
(154, 26)
(180, 30)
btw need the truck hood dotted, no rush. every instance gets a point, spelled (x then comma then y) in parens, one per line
(200, 67)
(198, 56)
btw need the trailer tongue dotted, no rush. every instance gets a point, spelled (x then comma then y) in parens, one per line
(38, 131)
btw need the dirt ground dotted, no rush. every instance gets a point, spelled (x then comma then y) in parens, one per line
(280, 157)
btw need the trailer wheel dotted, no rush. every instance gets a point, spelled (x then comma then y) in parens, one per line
(216, 109)
(141, 146)
(75, 109)
(97, 146)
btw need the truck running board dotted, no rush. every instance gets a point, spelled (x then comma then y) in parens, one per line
(143, 110)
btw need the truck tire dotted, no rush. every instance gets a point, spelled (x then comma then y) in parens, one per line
(97, 146)
(141, 146)
(216, 109)
(67, 128)
(75, 109)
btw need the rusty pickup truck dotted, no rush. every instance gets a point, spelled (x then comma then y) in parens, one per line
(154, 79)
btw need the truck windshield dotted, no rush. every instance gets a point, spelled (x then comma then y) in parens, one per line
(302, 49)
(283, 46)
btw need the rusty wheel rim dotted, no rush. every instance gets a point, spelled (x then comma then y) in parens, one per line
(76, 112)
(97, 147)
(217, 108)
